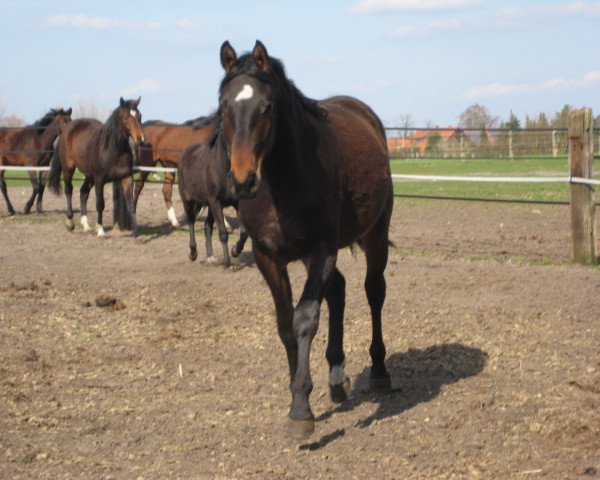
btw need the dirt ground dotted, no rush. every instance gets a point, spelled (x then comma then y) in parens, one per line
(492, 335)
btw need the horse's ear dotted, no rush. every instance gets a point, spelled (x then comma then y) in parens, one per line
(121, 102)
(70, 111)
(228, 56)
(137, 102)
(261, 57)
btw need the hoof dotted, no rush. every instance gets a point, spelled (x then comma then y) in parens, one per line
(101, 233)
(235, 252)
(39, 209)
(70, 225)
(300, 429)
(27, 209)
(11, 213)
(339, 393)
(193, 255)
(380, 384)
(212, 261)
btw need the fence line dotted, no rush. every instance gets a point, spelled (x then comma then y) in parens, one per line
(436, 178)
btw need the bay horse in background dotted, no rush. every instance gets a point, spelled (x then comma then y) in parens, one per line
(102, 152)
(203, 171)
(311, 177)
(31, 146)
(164, 145)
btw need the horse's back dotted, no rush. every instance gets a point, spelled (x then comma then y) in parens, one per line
(353, 141)
(169, 140)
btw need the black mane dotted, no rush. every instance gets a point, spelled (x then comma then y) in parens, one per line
(46, 120)
(284, 87)
(112, 126)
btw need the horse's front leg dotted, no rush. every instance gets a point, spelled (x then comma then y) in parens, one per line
(11, 210)
(127, 185)
(276, 276)
(320, 266)
(167, 195)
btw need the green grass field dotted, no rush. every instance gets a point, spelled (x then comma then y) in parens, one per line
(540, 192)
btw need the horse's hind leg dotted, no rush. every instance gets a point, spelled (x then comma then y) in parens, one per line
(99, 191)
(208, 228)
(339, 383)
(11, 210)
(84, 193)
(35, 188)
(376, 250)
(68, 180)
(217, 209)
(42, 181)
(139, 185)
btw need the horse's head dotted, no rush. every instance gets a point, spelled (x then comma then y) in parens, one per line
(247, 106)
(131, 120)
(62, 118)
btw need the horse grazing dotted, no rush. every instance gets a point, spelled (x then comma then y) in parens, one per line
(203, 171)
(102, 152)
(164, 145)
(311, 177)
(31, 146)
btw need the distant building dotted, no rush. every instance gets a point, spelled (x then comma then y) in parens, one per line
(451, 141)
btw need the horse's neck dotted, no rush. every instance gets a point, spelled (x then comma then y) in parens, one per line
(111, 140)
(293, 155)
(47, 137)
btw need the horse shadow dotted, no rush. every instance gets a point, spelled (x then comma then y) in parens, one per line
(417, 376)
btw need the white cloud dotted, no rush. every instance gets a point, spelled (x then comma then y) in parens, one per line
(80, 20)
(83, 21)
(410, 31)
(187, 25)
(144, 86)
(503, 89)
(576, 7)
(154, 25)
(370, 6)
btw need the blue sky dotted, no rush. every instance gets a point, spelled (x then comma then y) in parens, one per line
(429, 59)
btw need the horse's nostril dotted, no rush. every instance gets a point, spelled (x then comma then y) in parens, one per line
(251, 181)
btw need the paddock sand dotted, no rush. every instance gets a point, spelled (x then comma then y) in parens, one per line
(492, 336)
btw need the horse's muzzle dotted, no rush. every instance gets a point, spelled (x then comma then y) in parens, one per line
(245, 189)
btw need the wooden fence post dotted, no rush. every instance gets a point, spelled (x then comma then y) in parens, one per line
(581, 164)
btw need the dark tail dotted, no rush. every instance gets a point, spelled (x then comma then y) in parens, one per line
(54, 174)
(121, 215)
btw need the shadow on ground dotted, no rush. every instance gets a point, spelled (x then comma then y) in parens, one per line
(417, 377)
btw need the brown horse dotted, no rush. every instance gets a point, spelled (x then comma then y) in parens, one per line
(165, 142)
(312, 177)
(31, 146)
(102, 152)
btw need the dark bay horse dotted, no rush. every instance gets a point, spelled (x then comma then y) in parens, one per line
(203, 172)
(311, 177)
(31, 146)
(102, 152)
(164, 145)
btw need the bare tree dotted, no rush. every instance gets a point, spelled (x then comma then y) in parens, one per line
(477, 116)
(12, 121)
(87, 108)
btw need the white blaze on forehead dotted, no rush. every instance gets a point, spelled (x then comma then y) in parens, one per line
(132, 113)
(245, 93)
